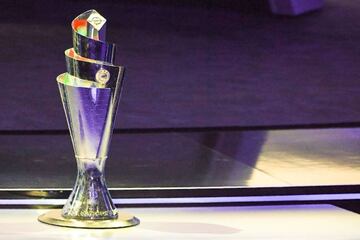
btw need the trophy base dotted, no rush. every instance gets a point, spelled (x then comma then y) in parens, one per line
(54, 217)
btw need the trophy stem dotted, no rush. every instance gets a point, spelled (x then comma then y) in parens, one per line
(90, 198)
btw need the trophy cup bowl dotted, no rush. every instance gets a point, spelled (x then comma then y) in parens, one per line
(90, 92)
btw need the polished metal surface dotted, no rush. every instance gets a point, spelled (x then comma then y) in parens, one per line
(91, 87)
(54, 217)
(90, 92)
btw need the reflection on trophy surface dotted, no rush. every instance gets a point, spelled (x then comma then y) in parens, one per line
(90, 92)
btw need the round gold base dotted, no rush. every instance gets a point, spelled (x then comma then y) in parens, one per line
(54, 217)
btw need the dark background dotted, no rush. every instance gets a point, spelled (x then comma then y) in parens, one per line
(189, 63)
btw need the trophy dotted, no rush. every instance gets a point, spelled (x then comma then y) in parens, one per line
(90, 92)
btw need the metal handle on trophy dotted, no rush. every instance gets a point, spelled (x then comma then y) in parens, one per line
(90, 92)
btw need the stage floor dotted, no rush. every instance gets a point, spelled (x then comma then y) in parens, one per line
(206, 164)
(276, 158)
(260, 222)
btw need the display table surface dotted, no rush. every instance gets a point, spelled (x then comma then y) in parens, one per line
(261, 222)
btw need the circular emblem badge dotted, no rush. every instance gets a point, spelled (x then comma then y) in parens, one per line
(102, 76)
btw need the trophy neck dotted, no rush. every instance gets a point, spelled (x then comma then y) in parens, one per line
(91, 165)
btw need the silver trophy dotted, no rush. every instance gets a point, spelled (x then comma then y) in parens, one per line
(90, 92)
